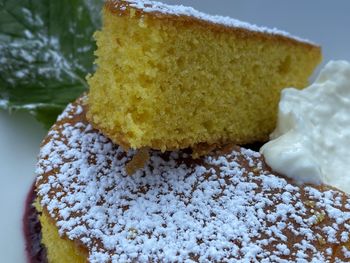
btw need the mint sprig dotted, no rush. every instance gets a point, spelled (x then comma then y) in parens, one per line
(46, 51)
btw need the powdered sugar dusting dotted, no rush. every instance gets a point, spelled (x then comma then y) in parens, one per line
(44, 60)
(224, 207)
(180, 10)
(30, 58)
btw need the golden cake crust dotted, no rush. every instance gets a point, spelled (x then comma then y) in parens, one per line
(224, 206)
(123, 8)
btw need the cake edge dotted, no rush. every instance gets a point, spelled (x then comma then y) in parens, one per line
(190, 15)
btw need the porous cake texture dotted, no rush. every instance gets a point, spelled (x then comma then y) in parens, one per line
(226, 207)
(170, 77)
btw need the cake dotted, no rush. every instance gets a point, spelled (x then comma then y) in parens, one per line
(224, 207)
(170, 77)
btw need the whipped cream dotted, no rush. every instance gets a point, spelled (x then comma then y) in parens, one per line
(311, 142)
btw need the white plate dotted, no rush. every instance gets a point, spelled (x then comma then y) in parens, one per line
(20, 138)
(324, 22)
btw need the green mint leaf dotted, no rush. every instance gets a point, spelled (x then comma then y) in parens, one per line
(46, 51)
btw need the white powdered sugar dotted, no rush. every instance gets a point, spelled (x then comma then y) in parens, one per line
(180, 10)
(36, 57)
(225, 208)
(37, 54)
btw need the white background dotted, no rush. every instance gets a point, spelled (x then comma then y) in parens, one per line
(324, 22)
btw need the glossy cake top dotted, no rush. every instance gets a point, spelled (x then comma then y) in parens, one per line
(223, 206)
(186, 11)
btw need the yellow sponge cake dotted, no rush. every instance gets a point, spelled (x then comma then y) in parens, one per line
(171, 77)
(224, 207)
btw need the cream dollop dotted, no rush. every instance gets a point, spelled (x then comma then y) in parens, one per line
(311, 142)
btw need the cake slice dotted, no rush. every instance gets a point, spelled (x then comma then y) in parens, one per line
(171, 77)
